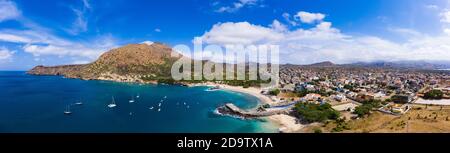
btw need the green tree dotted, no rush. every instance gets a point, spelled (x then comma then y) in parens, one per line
(316, 112)
(274, 92)
(434, 94)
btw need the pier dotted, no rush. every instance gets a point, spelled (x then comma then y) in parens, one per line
(232, 109)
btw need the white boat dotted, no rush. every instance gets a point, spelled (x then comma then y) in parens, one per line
(165, 97)
(187, 106)
(159, 109)
(184, 103)
(137, 96)
(67, 111)
(159, 105)
(151, 107)
(79, 103)
(113, 103)
(131, 100)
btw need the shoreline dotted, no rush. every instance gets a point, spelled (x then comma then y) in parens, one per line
(284, 123)
(256, 92)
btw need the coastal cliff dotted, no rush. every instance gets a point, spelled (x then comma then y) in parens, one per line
(130, 63)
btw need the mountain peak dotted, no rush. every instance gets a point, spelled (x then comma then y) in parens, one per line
(323, 64)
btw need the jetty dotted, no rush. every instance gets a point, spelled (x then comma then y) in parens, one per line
(232, 109)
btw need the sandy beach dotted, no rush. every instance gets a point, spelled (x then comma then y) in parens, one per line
(251, 91)
(286, 123)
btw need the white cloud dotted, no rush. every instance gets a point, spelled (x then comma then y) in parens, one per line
(447, 31)
(324, 42)
(80, 24)
(287, 17)
(41, 43)
(13, 38)
(81, 62)
(307, 17)
(31, 36)
(157, 30)
(8, 10)
(239, 33)
(445, 16)
(147, 42)
(236, 6)
(5, 54)
(87, 4)
(278, 26)
(90, 50)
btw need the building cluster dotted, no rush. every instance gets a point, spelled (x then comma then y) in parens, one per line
(360, 84)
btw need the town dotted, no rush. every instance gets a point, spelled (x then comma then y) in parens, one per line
(337, 96)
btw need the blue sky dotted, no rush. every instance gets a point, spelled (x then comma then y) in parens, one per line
(53, 32)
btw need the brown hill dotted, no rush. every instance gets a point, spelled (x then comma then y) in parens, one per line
(128, 63)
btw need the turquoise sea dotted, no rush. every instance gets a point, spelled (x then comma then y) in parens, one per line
(30, 104)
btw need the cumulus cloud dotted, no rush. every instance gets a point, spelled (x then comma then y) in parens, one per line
(239, 33)
(307, 17)
(157, 30)
(278, 26)
(287, 18)
(324, 42)
(8, 10)
(5, 54)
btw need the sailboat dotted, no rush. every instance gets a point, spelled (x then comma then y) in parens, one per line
(79, 103)
(131, 100)
(113, 103)
(67, 111)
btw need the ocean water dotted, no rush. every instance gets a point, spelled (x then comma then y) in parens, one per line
(36, 104)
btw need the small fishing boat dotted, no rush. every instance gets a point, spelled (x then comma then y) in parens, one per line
(67, 111)
(137, 96)
(159, 109)
(79, 103)
(131, 100)
(159, 105)
(151, 107)
(112, 104)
